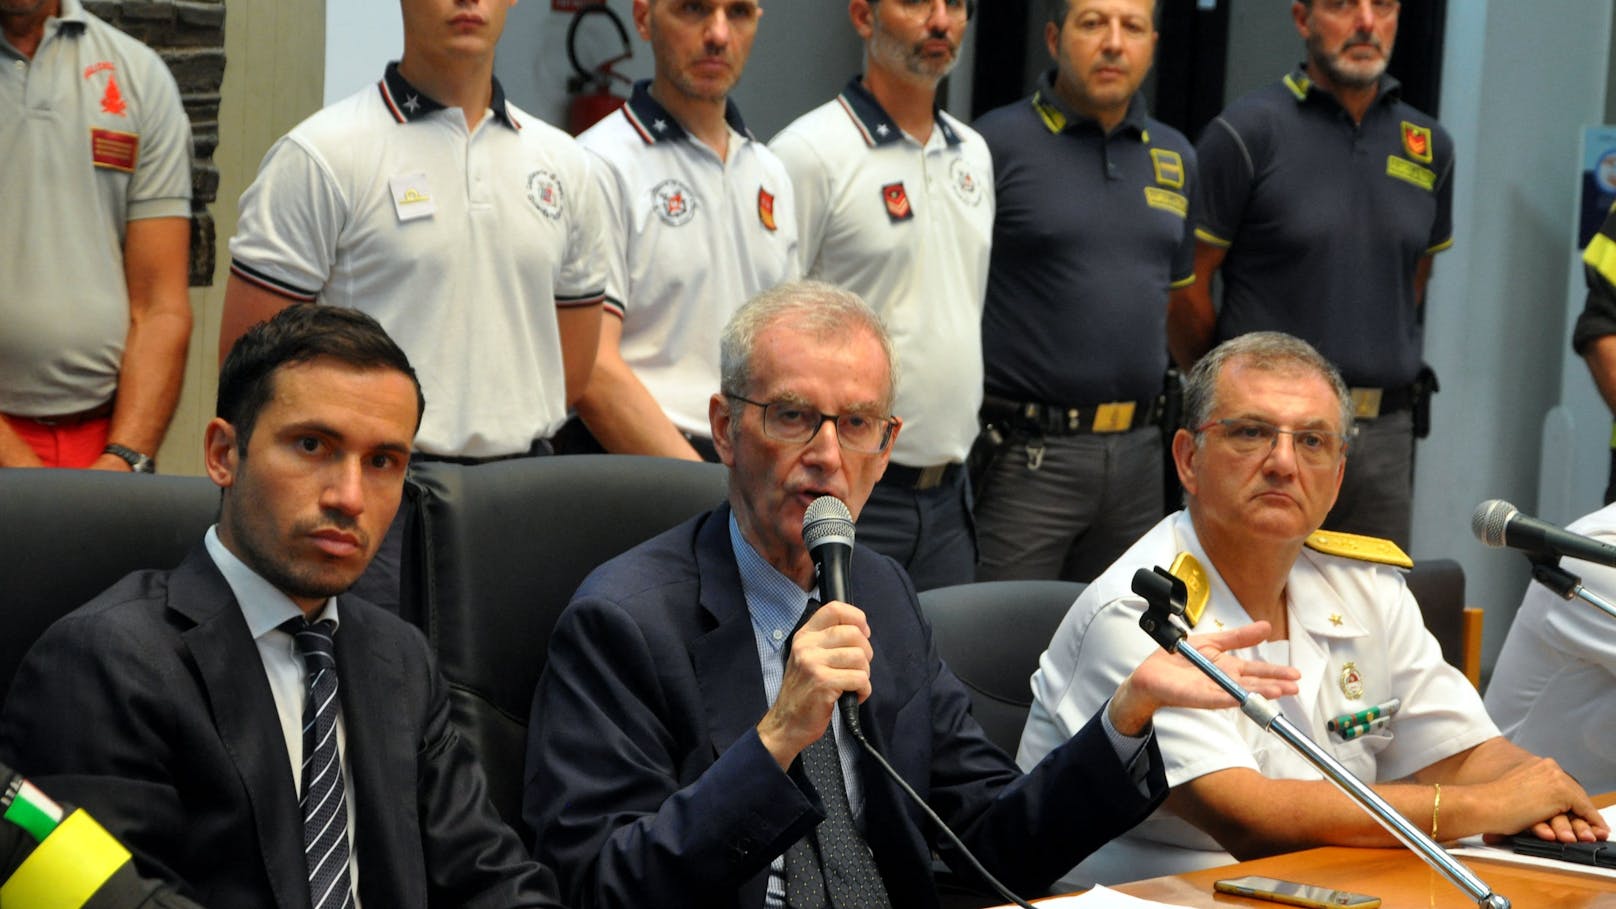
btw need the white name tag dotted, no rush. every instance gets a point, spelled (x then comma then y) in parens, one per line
(412, 198)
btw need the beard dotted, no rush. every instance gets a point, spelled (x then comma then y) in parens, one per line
(1341, 70)
(909, 59)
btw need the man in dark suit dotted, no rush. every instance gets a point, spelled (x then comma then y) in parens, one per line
(175, 705)
(678, 735)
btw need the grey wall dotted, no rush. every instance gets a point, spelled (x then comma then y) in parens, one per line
(1519, 80)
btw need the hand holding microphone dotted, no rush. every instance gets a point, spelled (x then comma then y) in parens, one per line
(829, 661)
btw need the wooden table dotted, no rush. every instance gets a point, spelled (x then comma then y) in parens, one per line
(1399, 877)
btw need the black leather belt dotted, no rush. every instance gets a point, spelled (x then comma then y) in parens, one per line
(1369, 403)
(1070, 420)
(921, 478)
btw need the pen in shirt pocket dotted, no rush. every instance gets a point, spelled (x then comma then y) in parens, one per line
(1347, 721)
(1352, 732)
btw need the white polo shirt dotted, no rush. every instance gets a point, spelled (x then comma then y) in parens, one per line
(1356, 636)
(92, 136)
(461, 243)
(907, 227)
(690, 238)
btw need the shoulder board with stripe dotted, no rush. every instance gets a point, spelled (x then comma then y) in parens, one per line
(1362, 548)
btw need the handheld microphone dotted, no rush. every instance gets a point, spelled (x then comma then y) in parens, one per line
(1498, 523)
(827, 531)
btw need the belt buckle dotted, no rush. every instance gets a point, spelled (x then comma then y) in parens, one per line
(931, 477)
(1366, 403)
(1114, 416)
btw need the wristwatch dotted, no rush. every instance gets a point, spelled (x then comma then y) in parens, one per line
(138, 463)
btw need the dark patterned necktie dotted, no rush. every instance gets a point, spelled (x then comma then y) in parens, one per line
(831, 866)
(324, 801)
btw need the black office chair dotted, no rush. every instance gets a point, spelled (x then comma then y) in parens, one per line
(1438, 586)
(499, 551)
(991, 634)
(67, 535)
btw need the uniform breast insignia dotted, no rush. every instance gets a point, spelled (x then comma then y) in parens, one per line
(897, 201)
(675, 202)
(544, 191)
(1351, 680)
(766, 208)
(966, 186)
(1417, 142)
(113, 149)
(1169, 167)
(1335, 619)
(1188, 569)
(1361, 548)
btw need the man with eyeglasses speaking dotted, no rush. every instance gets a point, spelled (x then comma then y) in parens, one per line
(685, 748)
(1268, 433)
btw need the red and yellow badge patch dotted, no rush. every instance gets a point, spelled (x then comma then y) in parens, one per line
(766, 208)
(897, 201)
(110, 148)
(1417, 142)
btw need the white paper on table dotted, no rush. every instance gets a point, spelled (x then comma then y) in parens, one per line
(1098, 898)
(1471, 847)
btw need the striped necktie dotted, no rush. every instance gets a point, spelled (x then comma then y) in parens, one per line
(324, 802)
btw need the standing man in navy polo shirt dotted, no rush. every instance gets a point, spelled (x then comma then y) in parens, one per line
(1092, 232)
(699, 220)
(1325, 198)
(895, 203)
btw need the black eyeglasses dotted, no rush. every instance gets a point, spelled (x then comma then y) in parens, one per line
(1316, 447)
(789, 421)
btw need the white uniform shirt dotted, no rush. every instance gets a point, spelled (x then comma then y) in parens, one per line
(908, 228)
(93, 136)
(1553, 691)
(461, 243)
(690, 238)
(1357, 637)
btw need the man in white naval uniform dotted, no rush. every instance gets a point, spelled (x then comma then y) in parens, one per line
(1261, 457)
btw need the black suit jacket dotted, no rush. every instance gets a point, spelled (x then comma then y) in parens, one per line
(647, 784)
(149, 707)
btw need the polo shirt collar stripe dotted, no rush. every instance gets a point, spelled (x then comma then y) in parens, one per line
(1302, 86)
(872, 121)
(1057, 117)
(654, 124)
(407, 103)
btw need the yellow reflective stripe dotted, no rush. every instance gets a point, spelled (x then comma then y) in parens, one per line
(1439, 247)
(1601, 257)
(1182, 283)
(65, 870)
(1054, 120)
(1206, 236)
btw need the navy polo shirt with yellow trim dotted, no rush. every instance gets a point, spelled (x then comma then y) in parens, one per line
(1091, 233)
(1598, 316)
(1325, 221)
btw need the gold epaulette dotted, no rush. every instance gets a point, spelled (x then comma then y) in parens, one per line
(1188, 569)
(1362, 548)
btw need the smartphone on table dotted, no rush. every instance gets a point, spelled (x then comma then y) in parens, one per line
(1294, 894)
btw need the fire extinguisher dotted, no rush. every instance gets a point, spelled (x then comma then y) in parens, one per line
(591, 90)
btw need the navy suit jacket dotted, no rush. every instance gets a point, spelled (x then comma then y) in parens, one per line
(149, 707)
(647, 784)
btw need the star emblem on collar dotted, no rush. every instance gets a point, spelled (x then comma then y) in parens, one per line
(660, 125)
(412, 104)
(1219, 623)
(1335, 619)
(882, 130)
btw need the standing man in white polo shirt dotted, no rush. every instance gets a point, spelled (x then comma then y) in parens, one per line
(469, 229)
(94, 314)
(699, 220)
(466, 227)
(895, 203)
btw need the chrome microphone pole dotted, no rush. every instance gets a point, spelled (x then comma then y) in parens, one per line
(1165, 596)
